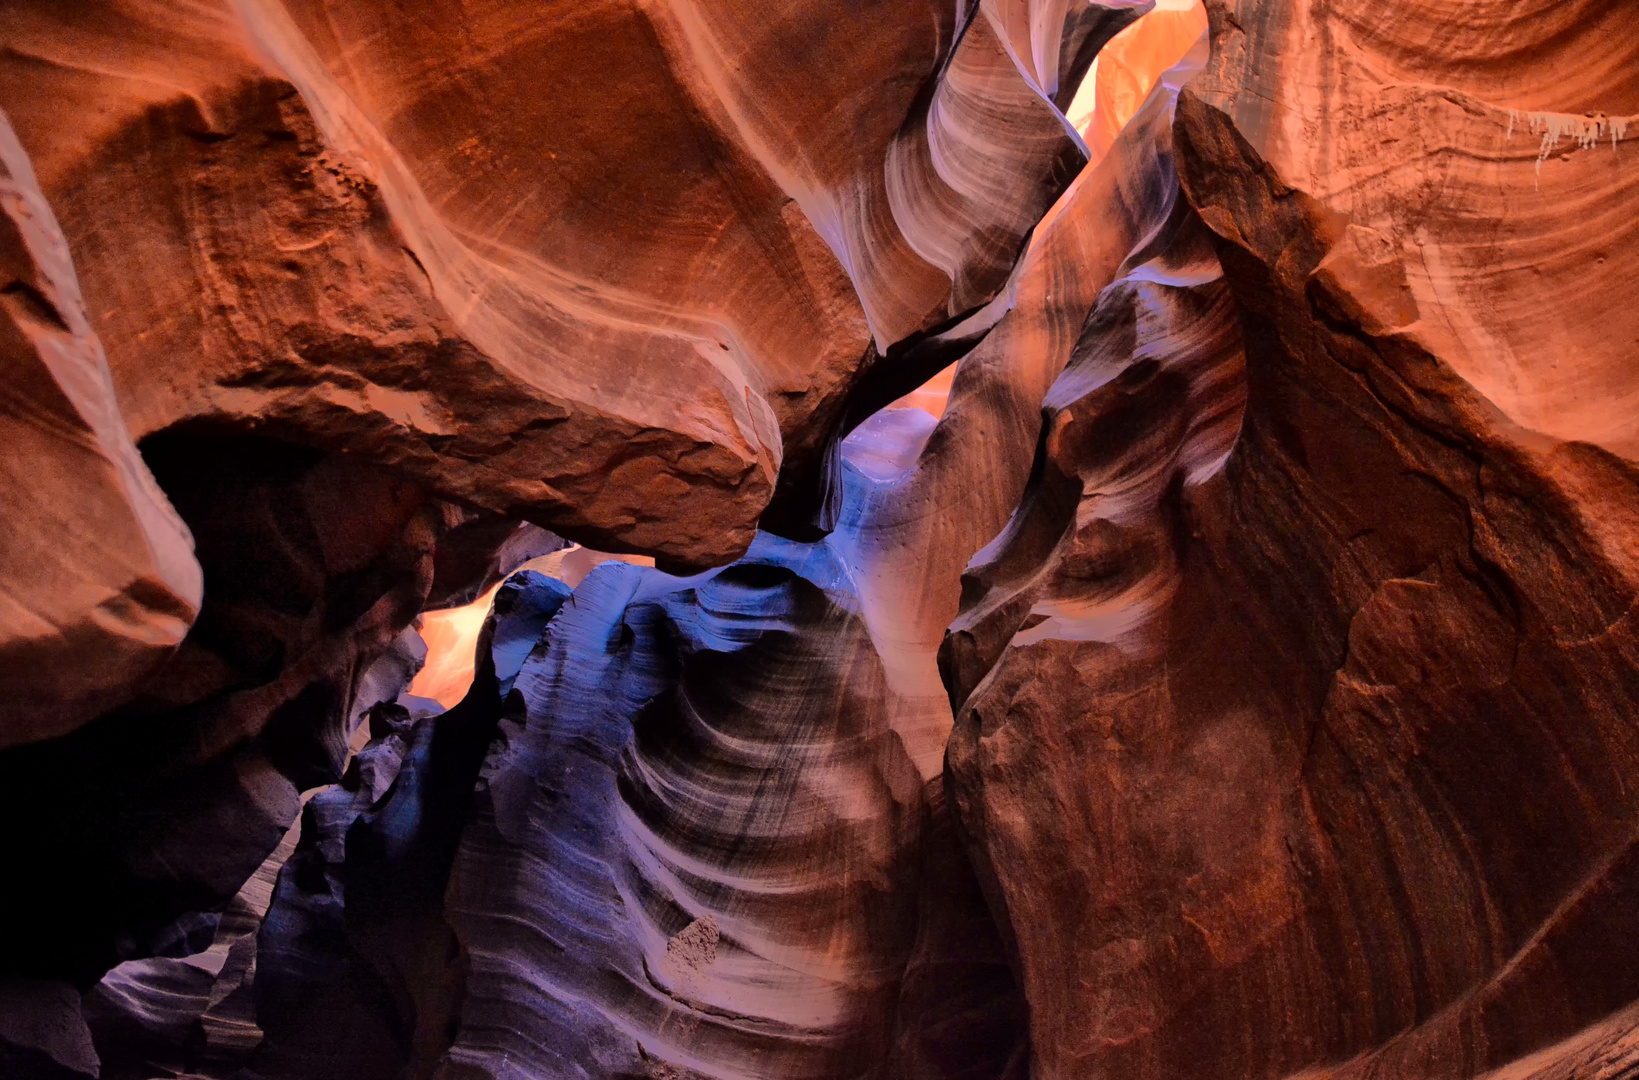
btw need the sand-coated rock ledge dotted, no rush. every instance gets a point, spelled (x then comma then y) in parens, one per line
(819, 540)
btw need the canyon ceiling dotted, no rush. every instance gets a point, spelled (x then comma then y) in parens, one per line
(819, 539)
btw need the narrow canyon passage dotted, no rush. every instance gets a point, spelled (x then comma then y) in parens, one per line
(901, 540)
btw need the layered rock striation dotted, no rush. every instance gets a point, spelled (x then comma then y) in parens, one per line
(328, 215)
(351, 338)
(1231, 674)
(96, 561)
(1333, 693)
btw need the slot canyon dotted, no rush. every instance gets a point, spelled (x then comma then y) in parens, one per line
(819, 540)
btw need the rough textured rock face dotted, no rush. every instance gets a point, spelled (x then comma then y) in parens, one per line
(1230, 674)
(1344, 769)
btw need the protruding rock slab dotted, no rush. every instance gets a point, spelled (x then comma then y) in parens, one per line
(100, 578)
(607, 267)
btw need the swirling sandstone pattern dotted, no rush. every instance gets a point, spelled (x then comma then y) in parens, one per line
(704, 781)
(329, 310)
(1281, 725)
(726, 773)
(659, 708)
(1357, 707)
(329, 215)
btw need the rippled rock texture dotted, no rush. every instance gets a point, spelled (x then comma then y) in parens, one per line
(356, 324)
(707, 819)
(1230, 675)
(1316, 759)
(645, 248)
(712, 838)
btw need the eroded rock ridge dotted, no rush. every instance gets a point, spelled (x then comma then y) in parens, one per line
(1228, 670)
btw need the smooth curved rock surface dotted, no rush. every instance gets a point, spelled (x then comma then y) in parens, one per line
(434, 249)
(920, 498)
(1488, 146)
(704, 821)
(1127, 69)
(927, 500)
(354, 320)
(684, 746)
(100, 578)
(1281, 727)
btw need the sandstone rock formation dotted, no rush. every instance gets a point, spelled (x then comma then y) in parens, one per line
(703, 774)
(1128, 67)
(1331, 699)
(188, 1009)
(96, 563)
(319, 333)
(709, 763)
(1088, 549)
(325, 224)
